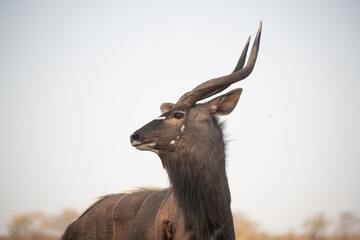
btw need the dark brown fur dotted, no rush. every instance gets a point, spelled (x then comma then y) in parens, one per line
(189, 141)
(198, 201)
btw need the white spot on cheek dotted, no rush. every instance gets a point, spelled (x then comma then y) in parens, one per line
(160, 118)
(177, 137)
(213, 109)
(182, 128)
(172, 142)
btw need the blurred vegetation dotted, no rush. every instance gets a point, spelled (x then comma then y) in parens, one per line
(39, 226)
(317, 227)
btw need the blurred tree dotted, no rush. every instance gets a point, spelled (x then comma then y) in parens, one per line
(27, 226)
(316, 226)
(348, 224)
(245, 229)
(57, 225)
(38, 226)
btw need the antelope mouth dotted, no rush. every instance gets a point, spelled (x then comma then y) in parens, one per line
(143, 146)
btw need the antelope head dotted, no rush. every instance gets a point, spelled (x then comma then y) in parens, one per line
(186, 123)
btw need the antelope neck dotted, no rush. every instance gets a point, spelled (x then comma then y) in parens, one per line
(198, 180)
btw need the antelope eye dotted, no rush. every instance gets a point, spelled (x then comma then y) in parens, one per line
(178, 115)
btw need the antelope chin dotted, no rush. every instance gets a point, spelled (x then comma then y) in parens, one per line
(144, 146)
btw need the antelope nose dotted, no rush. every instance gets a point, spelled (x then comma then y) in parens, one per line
(134, 137)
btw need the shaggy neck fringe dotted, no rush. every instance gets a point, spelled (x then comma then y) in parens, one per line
(198, 178)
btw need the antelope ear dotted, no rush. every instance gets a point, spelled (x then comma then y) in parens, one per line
(223, 105)
(165, 107)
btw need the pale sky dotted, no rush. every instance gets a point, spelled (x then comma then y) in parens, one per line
(78, 77)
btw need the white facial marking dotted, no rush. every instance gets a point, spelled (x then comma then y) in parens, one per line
(134, 143)
(160, 118)
(145, 146)
(182, 128)
(172, 142)
(155, 151)
(213, 109)
(177, 137)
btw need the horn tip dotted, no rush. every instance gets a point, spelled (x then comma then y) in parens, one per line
(248, 40)
(260, 26)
